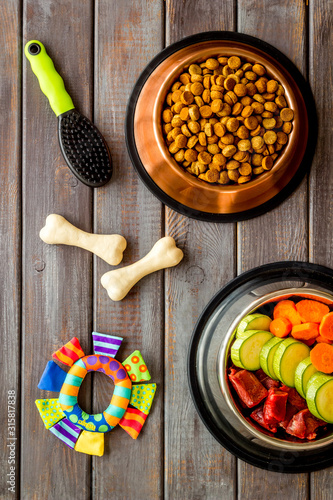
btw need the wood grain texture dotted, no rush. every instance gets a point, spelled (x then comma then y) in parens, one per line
(282, 234)
(288, 223)
(321, 175)
(100, 50)
(57, 279)
(10, 244)
(128, 35)
(196, 465)
(257, 484)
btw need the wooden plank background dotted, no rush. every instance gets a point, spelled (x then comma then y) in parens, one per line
(128, 35)
(286, 240)
(50, 293)
(204, 470)
(321, 178)
(57, 281)
(10, 234)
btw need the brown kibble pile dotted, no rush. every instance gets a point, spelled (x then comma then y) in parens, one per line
(225, 121)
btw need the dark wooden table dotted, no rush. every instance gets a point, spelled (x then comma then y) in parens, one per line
(51, 293)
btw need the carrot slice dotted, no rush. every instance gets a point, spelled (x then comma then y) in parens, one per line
(322, 357)
(280, 327)
(326, 326)
(287, 309)
(322, 339)
(306, 331)
(312, 311)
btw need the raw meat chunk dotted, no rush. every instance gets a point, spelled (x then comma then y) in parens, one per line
(303, 425)
(275, 406)
(248, 387)
(258, 416)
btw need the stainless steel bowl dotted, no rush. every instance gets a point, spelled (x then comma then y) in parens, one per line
(207, 363)
(264, 438)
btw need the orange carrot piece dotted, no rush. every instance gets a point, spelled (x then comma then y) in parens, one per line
(322, 339)
(326, 326)
(322, 357)
(312, 311)
(280, 327)
(313, 297)
(287, 309)
(306, 331)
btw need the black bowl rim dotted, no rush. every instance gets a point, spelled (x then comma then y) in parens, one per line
(312, 124)
(321, 458)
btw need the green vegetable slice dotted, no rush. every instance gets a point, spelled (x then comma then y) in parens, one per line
(245, 351)
(267, 356)
(246, 334)
(319, 396)
(288, 355)
(303, 373)
(259, 322)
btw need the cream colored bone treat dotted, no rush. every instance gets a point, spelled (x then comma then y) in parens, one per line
(59, 231)
(120, 281)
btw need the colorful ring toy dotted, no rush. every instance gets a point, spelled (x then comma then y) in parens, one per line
(129, 405)
(101, 422)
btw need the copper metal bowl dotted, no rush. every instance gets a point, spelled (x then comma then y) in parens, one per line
(179, 189)
(208, 358)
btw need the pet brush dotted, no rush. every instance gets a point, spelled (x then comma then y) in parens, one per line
(82, 145)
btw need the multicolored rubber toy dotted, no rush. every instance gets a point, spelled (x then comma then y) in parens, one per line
(129, 405)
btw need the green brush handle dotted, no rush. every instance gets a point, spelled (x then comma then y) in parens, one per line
(50, 82)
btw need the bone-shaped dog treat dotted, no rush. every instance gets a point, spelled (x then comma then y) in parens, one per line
(163, 254)
(58, 230)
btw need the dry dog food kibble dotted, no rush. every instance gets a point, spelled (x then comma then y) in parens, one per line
(226, 121)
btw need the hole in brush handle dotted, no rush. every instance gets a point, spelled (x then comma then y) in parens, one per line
(34, 49)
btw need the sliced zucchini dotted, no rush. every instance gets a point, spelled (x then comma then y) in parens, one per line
(254, 322)
(303, 373)
(247, 333)
(267, 355)
(319, 396)
(245, 351)
(288, 355)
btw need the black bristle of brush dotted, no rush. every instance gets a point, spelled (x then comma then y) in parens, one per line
(84, 149)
